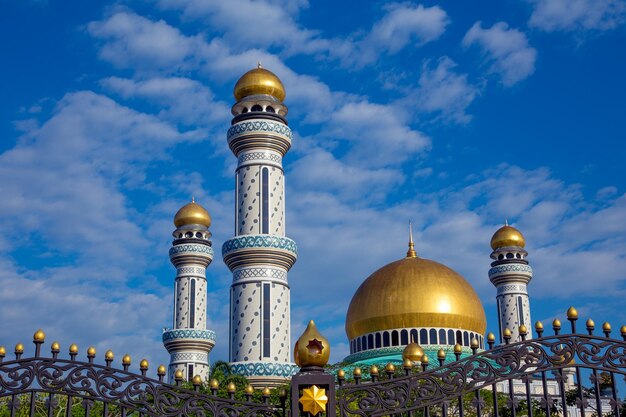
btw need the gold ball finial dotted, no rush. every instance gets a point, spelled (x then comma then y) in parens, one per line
(259, 81)
(539, 326)
(356, 372)
(474, 342)
(197, 380)
(622, 330)
(19, 348)
(491, 337)
(507, 332)
(425, 360)
(606, 326)
(91, 351)
(3, 351)
(249, 389)
(458, 348)
(374, 370)
(39, 336)
(266, 392)
(161, 370)
(311, 349)
(572, 313)
(523, 330)
(556, 324)
(73, 348)
(231, 387)
(126, 359)
(178, 375)
(143, 365)
(108, 355)
(390, 367)
(213, 384)
(341, 373)
(441, 354)
(55, 347)
(590, 324)
(407, 364)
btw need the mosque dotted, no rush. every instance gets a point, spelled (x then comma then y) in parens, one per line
(406, 309)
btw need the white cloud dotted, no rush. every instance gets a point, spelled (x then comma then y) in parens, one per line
(578, 15)
(442, 91)
(506, 49)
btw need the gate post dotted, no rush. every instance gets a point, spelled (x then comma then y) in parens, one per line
(312, 388)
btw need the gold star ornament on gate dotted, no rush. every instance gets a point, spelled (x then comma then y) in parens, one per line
(313, 400)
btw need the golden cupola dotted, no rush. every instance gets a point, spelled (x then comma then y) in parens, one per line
(192, 213)
(259, 81)
(414, 293)
(507, 236)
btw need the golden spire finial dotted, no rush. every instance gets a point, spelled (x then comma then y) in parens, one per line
(506, 222)
(411, 252)
(258, 64)
(193, 198)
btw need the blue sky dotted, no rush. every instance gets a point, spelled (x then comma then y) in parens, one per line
(456, 115)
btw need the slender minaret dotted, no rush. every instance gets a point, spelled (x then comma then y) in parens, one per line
(188, 341)
(510, 273)
(260, 254)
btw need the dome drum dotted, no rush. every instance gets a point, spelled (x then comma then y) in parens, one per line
(260, 106)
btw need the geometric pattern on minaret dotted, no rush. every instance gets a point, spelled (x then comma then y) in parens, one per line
(260, 255)
(510, 273)
(189, 342)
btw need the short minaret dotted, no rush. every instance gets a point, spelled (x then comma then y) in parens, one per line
(260, 255)
(188, 341)
(510, 273)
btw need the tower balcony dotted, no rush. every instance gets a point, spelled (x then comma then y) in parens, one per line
(249, 250)
(178, 339)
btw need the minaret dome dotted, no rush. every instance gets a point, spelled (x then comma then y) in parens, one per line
(507, 236)
(192, 213)
(259, 81)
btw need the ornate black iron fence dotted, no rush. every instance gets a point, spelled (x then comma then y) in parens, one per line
(54, 387)
(508, 379)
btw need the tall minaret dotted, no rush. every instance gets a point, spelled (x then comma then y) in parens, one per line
(260, 255)
(188, 341)
(510, 273)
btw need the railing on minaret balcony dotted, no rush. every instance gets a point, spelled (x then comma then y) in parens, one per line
(260, 255)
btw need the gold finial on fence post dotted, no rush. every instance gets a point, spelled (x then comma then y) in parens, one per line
(214, 386)
(108, 357)
(55, 348)
(590, 326)
(390, 369)
(424, 362)
(249, 390)
(3, 353)
(572, 316)
(266, 395)
(143, 367)
(161, 372)
(196, 381)
(474, 344)
(341, 376)
(374, 372)
(231, 388)
(441, 356)
(458, 349)
(556, 326)
(506, 334)
(178, 377)
(126, 361)
(539, 328)
(91, 353)
(408, 366)
(357, 375)
(38, 338)
(622, 331)
(73, 349)
(523, 331)
(491, 339)
(19, 350)
(606, 328)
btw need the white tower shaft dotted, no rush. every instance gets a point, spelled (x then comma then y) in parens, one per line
(260, 255)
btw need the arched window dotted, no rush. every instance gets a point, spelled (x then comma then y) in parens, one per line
(270, 109)
(433, 336)
(358, 344)
(459, 337)
(386, 339)
(423, 337)
(500, 257)
(256, 107)
(378, 341)
(245, 110)
(442, 337)
(394, 338)
(404, 337)
(363, 343)
(451, 337)
(465, 339)
(413, 336)
(509, 256)
(370, 341)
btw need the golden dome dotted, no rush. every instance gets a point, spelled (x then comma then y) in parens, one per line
(192, 213)
(414, 292)
(507, 236)
(259, 81)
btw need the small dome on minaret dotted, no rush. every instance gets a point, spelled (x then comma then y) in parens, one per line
(259, 81)
(192, 213)
(507, 236)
